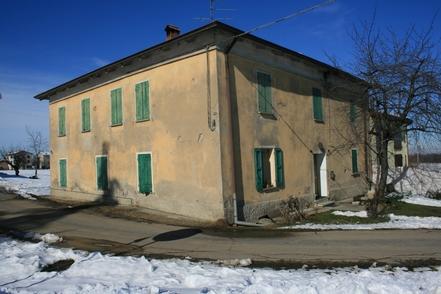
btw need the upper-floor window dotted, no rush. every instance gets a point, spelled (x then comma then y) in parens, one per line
(142, 101)
(62, 121)
(317, 104)
(85, 115)
(116, 107)
(352, 112)
(264, 98)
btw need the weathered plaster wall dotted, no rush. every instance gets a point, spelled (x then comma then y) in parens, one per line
(185, 152)
(292, 128)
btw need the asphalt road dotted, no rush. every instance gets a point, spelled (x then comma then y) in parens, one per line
(82, 228)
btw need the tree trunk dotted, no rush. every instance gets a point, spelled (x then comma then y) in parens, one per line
(383, 170)
(37, 163)
(17, 170)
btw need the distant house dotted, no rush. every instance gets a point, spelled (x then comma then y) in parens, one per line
(212, 124)
(27, 159)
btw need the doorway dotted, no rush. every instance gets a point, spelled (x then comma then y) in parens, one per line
(320, 176)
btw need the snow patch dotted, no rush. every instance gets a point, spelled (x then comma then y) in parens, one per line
(23, 185)
(351, 213)
(47, 238)
(235, 262)
(97, 273)
(421, 200)
(396, 222)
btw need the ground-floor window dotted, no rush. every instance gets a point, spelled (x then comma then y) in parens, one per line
(62, 173)
(268, 164)
(398, 160)
(354, 161)
(145, 179)
(101, 172)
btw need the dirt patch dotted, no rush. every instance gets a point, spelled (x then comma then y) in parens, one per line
(58, 266)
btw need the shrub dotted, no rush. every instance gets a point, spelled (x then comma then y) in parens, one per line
(434, 194)
(293, 209)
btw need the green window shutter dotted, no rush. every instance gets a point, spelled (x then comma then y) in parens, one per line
(258, 165)
(62, 121)
(85, 114)
(264, 93)
(101, 173)
(145, 173)
(63, 173)
(280, 177)
(317, 104)
(354, 161)
(116, 106)
(352, 112)
(142, 101)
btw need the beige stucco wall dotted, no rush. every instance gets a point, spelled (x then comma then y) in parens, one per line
(293, 123)
(185, 152)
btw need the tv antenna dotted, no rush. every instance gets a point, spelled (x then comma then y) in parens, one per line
(212, 13)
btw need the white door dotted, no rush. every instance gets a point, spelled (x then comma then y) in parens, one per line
(323, 178)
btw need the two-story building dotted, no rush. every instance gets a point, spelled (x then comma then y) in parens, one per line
(213, 124)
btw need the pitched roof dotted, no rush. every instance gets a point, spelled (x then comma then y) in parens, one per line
(215, 24)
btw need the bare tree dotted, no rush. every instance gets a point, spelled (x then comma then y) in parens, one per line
(402, 75)
(13, 156)
(37, 145)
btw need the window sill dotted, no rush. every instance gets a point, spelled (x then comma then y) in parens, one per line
(319, 121)
(116, 125)
(268, 115)
(85, 131)
(271, 189)
(142, 120)
(60, 136)
(356, 175)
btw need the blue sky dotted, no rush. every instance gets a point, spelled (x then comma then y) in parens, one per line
(44, 43)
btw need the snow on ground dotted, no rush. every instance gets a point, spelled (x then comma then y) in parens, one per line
(47, 238)
(421, 200)
(395, 222)
(420, 179)
(23, 185)
(350, 213)
(97, 273)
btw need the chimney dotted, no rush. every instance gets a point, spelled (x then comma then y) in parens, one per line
(171, 32)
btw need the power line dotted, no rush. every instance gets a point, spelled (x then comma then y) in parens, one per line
(297, 13)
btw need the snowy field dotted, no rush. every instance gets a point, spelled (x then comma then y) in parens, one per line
(23, 185)
(97, 273)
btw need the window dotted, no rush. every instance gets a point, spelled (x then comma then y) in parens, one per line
(264, 98)
(144, 163)
(398, 141)
(398, 160)
(62, 173)
(61, 121)
(116, 107)
(142, 101)
(269, 168)
(317, 104)
(354, 161)
(101, 172)
(352, 112)
(85, 115)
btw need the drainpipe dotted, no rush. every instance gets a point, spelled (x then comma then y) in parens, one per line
(227, 63)
(211, 121)
(242, 223)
